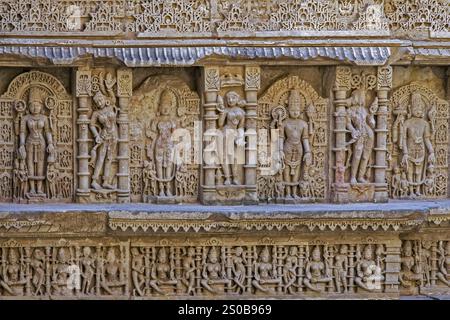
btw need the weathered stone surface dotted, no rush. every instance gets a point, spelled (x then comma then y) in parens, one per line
(205, 149)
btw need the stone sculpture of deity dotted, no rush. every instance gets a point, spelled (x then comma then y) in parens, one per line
(104, 128)
(317, 271)
(417, 149)
(232, 122)
(213, 273)
(360, 122)
(162, 149)
(296, 147)
(36, 143)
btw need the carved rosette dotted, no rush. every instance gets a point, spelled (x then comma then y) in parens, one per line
(164, 145)
(51, 178)
(418, 143)
(273, 110)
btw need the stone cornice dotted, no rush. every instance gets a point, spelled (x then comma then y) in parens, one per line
(79, 220)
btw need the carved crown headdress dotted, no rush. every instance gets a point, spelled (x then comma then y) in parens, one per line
(167, 97)
(294, 98)
(34, 95)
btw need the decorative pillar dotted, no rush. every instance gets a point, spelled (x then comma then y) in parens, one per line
(83, 93)
(448, 152)
(124, 92)
(392, 267)
(211, 78)
(252, 85)
(383, 87)
(341, 86)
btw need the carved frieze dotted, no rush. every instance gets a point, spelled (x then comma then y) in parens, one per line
(425, 267)
(202, 268)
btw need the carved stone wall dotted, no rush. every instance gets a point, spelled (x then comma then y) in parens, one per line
(157, 18)
(202, 149)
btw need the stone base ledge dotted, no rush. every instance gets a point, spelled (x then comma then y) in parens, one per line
(115, 219)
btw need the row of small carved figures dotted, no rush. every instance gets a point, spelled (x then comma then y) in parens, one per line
(193, 271)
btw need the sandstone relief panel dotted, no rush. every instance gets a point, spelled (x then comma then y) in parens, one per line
(230, 134)
(360, 130)
(292, 143)
(103, 160)
(205, 267)
(165, 134)
(63, 269)
(425, 267)
(418, 143)
(36, 140)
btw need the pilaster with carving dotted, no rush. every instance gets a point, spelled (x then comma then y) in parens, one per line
(225, 153)
(211, 86)
(252, 86)
(124, 92)
(381, 131)
(83, 93)
(341, 86)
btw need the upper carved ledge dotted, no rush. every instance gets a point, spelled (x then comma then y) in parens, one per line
(241, 19)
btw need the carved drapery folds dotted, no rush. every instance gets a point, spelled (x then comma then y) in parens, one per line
(418, 143)
(36, 147)
(292, 146)
(360, 133)
(163, 142)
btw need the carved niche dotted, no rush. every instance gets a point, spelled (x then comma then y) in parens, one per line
(418, 143)
(360, 129)
(164, 141)
(36, 157)
(292, 143)
(230, 130)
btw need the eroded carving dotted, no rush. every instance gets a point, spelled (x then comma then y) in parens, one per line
(418, 144)
(163, 165)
